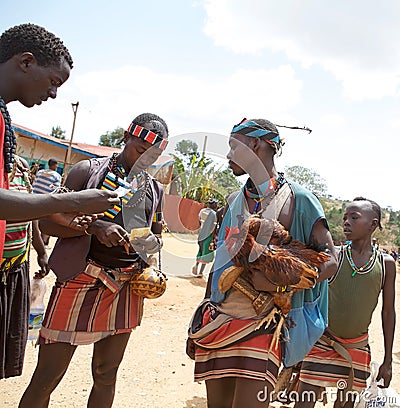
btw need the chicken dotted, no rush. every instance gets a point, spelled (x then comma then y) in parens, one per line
(264, 246)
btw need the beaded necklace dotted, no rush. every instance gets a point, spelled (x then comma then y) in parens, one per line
(363, 268)
(115, 181)
(274, 184)
(10, 141)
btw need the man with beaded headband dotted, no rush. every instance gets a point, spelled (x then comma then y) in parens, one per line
(34, 63)
(235, 359)
(342, 356)
(91, 301)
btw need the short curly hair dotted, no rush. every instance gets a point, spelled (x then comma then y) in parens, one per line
(158, 125)
(48, 49)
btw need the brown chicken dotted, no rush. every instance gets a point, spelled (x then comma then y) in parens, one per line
(264, 246)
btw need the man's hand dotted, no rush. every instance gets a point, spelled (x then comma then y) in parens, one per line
(109, 234)
(149, 245)
(44, 266)
(77, 222)
(385, 373)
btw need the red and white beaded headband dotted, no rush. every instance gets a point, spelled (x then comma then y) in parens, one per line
(147, 135)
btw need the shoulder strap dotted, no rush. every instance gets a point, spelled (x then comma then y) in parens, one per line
(229, 201)
(274, 208)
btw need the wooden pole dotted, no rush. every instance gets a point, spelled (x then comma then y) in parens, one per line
(204, 146)
(67, 160)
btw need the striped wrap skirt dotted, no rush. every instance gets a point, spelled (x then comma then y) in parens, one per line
(90, 307)
(237, 349)
(324, 366)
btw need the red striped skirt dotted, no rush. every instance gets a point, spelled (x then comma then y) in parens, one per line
(323, 366)
(249, 357)
(84, 310)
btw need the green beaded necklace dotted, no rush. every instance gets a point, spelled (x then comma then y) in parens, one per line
(361, 268)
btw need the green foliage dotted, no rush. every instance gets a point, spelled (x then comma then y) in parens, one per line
(113, 138)
(308, 179)
(196, 176)
(193, 180)
(187, 148)
(57, 132)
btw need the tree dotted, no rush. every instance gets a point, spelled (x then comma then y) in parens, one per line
(308, 179)
(196, 176)
(113, 138)
(187, 148)
(227, 183)
(58, 132)
(192, 176)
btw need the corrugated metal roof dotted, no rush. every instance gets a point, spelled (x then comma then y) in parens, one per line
(89, 150)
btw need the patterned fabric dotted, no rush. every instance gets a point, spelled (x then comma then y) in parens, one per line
(253, 129)
(84, 310)
(250, 358)
(46, 181)
(323, 366)
(147, 135)
(16, 233)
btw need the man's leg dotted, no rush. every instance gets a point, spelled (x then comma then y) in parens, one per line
(53, 361)
(220, 392)
(307, 395)
(107, 357)
(251, 393)
(202, 267)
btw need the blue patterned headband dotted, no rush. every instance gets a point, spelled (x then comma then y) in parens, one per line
(253, 129)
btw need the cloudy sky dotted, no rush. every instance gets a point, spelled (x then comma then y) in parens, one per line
(205, 65)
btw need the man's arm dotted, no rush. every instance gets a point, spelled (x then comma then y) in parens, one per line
(57, 224)
(18, 206)
(388, 319)
(321, 238)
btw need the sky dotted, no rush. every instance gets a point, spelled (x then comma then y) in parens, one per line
(205, 65)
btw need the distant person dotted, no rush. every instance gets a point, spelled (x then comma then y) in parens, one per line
(343, 355)
(208, 221)
(47, 181)
(34, 63)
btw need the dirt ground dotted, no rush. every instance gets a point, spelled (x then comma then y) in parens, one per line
(155, 371)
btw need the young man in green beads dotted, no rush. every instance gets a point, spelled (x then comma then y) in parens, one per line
(341, 358)
(34, 63)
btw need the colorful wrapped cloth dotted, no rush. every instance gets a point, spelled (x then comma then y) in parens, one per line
(240, 351)
(205, 255)
(324, 366)
(89, 308)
